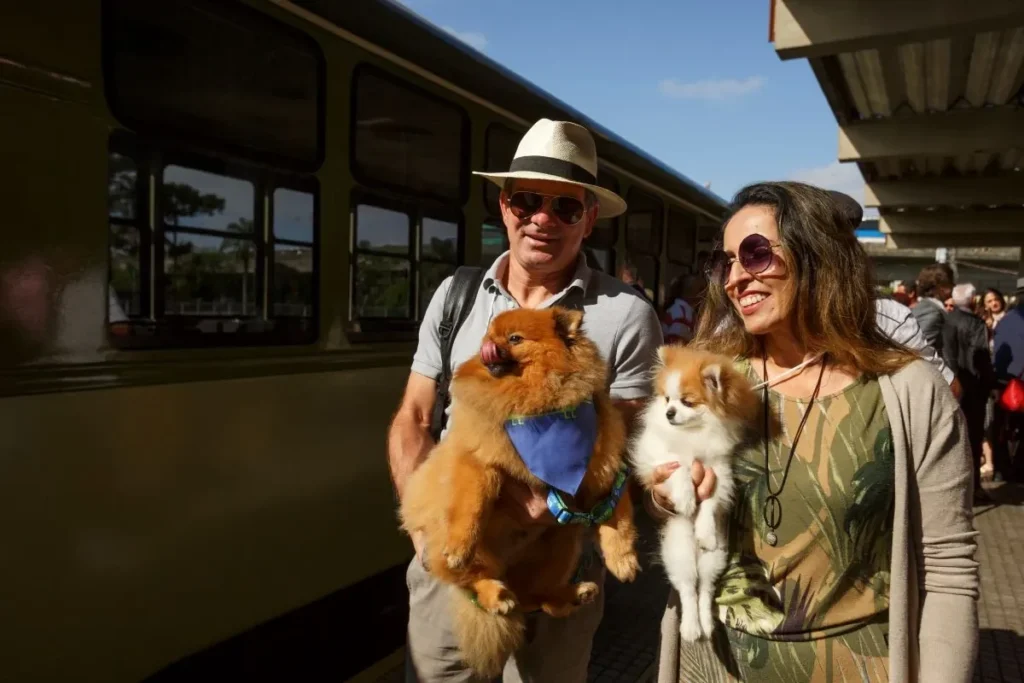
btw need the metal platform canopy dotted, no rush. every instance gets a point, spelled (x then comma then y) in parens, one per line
(929, 101)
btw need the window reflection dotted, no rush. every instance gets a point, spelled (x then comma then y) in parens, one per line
(121, 181)
(381, 287)
(431, 277)
(382, 230)
(292, 293)
(293, 215)
(198, 199)
(440, 240)
(125, 272)
(493, 243)
(209, 276)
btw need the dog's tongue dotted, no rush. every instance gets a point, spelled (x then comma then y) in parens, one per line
(489, 353)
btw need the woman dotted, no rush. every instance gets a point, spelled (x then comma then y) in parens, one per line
(854, 561)
(995, 308)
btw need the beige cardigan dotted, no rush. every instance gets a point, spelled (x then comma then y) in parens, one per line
(933, 611)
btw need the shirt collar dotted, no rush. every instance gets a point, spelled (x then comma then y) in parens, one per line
(580, 278)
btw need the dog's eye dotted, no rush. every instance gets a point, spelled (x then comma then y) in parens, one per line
(686, 403)
(514, 339)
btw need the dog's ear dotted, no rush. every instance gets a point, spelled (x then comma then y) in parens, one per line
(712, 375)
(662, 353)
(567, 324)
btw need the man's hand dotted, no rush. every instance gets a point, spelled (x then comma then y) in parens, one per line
(526, 505)
(703, 479)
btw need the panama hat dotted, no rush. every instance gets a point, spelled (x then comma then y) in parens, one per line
(563, 152)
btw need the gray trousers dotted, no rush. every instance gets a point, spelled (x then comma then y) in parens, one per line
(556, 650)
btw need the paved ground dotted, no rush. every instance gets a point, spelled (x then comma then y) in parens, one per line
(626, 645)
(1001, 553)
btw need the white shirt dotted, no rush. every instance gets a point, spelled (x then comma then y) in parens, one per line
(899, 324)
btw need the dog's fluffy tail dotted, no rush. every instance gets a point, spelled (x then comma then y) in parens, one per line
(486, 640)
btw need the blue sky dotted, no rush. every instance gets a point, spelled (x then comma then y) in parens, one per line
(695, 84)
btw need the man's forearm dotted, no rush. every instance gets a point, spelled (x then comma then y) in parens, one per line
(409, 442)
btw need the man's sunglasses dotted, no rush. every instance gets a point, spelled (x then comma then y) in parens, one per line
(568, 210)
(755, 255)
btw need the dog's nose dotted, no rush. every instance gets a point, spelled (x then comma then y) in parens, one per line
(670, 413)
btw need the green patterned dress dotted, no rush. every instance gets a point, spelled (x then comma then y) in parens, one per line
(814, 608)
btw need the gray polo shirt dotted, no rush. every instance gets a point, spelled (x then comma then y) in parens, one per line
(624, 325)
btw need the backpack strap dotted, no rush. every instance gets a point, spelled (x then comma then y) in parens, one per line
(457, 304)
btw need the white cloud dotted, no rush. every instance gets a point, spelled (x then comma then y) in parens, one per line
(723, 89)
(472, 38)
(845, 178)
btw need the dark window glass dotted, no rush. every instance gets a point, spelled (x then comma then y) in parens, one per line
(498, 152)
(643, 223)
(293, 288)
(440, 240)
(606, 230)
(209, 276)
(214, 72)
(213, 269)
(197, 199)
(125, 273)
(493, 243)
(121, 179)
(682, 236)
(382, 230)
(647, 270)
(431, 277)
(293, 215)
(382, 287)
(407, 139)
(604, 259)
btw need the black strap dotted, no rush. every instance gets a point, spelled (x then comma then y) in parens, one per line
(457, 304)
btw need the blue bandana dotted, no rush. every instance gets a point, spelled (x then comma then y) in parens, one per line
(556, 447)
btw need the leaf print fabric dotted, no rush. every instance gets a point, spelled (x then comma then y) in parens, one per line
(813, 608)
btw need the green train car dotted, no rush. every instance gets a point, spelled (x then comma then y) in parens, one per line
(222, 221)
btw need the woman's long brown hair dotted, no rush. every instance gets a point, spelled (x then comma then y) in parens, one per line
(833, 306)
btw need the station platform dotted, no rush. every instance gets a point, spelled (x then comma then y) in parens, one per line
(626, 644)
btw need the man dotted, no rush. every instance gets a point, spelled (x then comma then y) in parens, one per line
(965, 348)
(896, 320)
(934, 286)
(1008, 361)
(549, 203)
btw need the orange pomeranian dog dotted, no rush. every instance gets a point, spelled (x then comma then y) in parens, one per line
(701, 409)
(531, 406)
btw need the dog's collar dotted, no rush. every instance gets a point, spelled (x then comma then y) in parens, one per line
(599, 514)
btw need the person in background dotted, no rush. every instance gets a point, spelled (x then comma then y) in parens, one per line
(965, 349)
(1008, 362)
(934, 285)
(995, 308)
(679, 316)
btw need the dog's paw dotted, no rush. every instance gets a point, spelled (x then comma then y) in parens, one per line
(689, 629)
(624, 566)
(587, 592)
(684, 500)
(457, 558)
(705, 532)
(707, 623)
(495, 597)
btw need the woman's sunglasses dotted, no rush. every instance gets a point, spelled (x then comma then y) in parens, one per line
(755, 255)
(568, 210)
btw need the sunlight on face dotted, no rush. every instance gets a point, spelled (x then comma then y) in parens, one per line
(763, 300)
(992, 303)
(540, 242)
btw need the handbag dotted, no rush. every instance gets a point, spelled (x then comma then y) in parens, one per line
(1012, 398)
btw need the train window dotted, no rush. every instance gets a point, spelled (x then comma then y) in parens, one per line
(682, 236)
(126, 288)
(493, 242)
(602, 239)
(201, 274)
(439, 256)
(643, 223)
(383, 263)
(499, 149)
(293, 287)
(219, 74)
(406, 139)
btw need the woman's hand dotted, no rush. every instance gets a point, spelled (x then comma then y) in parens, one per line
(703, 478)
